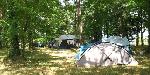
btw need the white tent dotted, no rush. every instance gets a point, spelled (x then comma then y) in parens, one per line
(105, 54)
(66, 37)
(70, 39)
(118, 41)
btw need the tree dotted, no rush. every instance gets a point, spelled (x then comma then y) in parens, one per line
(147, 25)
(24, 20)
(12, 17)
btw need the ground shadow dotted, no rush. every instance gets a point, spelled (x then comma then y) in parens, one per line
(36, 63)
(142, 69)
(42, 63)
(37, 58)
(120, 70)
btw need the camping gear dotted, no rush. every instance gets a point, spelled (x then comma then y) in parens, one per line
(66, 41)
(107, 53)
(123, 42)
(69, 38)
(82, 49)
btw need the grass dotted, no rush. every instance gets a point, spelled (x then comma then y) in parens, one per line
(46, 61)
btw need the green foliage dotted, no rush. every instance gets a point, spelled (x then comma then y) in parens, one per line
(41, 40)
(25, 20)
(106, 16)
(22, 21)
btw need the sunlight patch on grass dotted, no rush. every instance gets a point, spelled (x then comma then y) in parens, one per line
(45, 61)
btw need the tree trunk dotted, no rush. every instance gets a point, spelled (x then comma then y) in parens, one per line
(79, 25)
(141, 26)
(0, 37)
(14, 51)
(25, 29)
(1, 29)
(148, 39)
(142, 40)
(1, 13)
(30, 40)
(122, 27)
(98, 35)
(137, 39)
(148, 7)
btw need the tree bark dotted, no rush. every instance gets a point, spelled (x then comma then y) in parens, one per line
(148, 7)
(1, 28)
(148, 39)
(30, 41)
(137, 39)
(79, 25)
(141, 26)
(142, 40)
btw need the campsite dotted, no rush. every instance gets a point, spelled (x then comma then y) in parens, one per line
(74, 37)
(62, 62)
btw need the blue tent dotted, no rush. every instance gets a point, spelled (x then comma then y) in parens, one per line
(84, 47)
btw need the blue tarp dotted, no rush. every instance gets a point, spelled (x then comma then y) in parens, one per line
(82, 49)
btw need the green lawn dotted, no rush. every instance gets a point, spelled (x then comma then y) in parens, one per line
(46, 61)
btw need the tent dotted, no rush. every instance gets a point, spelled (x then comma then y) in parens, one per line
(123, 42)
(67, 37)
(66, 41)
(117, 40)
(105, 54)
